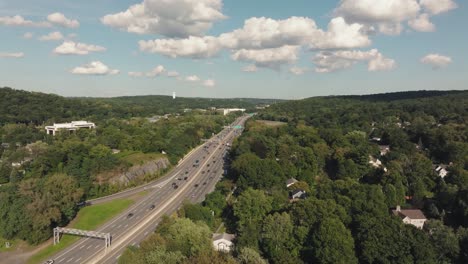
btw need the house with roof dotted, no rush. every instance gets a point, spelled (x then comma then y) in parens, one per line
(298, 194)
(413, 217)
(384, 150)
(441, 170)
(291, 182)
(223, 242)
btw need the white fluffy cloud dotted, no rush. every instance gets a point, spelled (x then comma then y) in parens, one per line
(11, 54)
(388, 15)
(271, 58)
(20, 21)
(172, 18)
(383, 11)
(297, 70)
(341, 35)
(157, 71)
(192, 47)
(94, 68)
(436, 60)
(192, 78)
(56, 35)
(250, 68)
(74, 48)
(209, 83)
(264, 33)
(438, 6)
(333, 61)
(60, 20)
(422, 23)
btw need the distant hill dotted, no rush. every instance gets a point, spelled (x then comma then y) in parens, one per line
(18, 106)
(371, 108)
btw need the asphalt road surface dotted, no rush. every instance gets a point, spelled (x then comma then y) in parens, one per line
(194, 177)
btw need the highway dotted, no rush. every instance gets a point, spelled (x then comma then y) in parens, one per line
(194, 177)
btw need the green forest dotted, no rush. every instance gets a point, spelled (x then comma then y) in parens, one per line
(356, 158)
(43, 178)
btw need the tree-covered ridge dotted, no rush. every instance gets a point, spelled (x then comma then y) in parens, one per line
(18, 106)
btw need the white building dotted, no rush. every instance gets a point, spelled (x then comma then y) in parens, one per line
(73, 126)
(227, 111)
(223, 242)
(290, 182)
(411, 216)
(441, 170)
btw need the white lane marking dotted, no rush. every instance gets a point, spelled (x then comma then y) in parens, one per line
(113, 226)
(78, 260)
(118, 257)
(89, 246)
(70, 259)
(96, 246)
(82, 246)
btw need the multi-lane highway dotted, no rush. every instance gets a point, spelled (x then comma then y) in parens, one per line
(191, 180)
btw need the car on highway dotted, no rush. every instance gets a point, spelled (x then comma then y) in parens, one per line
(208, 165)
(176, 186)
(204, 183)
(196, 185)
(185, 178)
(130, 215)
(186, 172)
(152, 207)
(202, 172)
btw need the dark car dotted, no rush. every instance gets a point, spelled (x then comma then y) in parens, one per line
(196, 185)
(202, 172)
(130, 215)
(204, 183)
(185, 178)
(152, 207)
(186, 172)
(176, 186)
(208, 165)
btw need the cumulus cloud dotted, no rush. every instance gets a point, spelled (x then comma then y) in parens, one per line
(422, 23)
(94, 68)
(209, 83)
(175, 18)
(297, 70)
(11, 54)
(388, 15)
(264, 33)
(157, 71)
(192, 47)
(333, 61)
(20, 21)
(51, 36)
(60, 20)
(383, 11)
(192, 78)
(74, 48)
(437, 61)
(438, 6)
(28, 35)
(250, 68)
(270, 58)
(341, 35)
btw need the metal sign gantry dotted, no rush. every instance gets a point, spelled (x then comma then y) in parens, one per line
(78, 232)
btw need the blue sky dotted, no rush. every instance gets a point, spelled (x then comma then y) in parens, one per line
(233, 48)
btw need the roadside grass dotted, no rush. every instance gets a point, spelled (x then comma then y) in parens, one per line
(14, 245)
(88, 218)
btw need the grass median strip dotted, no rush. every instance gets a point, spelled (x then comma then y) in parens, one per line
(88, 218)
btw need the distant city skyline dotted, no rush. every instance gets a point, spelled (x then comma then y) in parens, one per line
(233, 49)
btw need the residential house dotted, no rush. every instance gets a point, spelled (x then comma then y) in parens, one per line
(223, 242)
(413, 217)
(441, 170)
(298, 194)
(384, 150)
